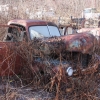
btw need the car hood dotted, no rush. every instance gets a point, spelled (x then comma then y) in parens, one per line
(78, 42)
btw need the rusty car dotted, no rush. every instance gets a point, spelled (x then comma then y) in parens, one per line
(76, 48)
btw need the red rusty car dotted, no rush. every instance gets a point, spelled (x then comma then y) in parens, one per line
(77, 45)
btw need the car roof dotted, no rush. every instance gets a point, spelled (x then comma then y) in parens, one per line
(30, 22)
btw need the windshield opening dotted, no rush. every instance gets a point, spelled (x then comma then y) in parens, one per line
(43, 31)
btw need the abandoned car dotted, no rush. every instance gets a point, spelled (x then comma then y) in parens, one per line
(67, 51)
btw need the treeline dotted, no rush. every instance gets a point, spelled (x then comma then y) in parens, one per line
(65, 8)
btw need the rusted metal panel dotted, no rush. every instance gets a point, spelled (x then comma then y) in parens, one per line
(94, 31)
(28, 23)
(82, 42)
(3, 25)
(10, 61)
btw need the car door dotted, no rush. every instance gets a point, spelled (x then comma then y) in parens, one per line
(10, 59)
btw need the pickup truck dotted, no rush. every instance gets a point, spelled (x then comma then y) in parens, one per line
(76, 48)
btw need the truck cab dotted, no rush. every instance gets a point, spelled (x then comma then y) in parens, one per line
(35, 28)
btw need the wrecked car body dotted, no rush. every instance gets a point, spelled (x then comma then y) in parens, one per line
(48, 44)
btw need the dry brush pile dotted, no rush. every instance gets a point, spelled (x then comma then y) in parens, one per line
(83, 85)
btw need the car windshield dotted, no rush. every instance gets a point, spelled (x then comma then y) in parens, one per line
(43, 31)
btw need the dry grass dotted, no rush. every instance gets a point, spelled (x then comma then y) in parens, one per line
(49, 86)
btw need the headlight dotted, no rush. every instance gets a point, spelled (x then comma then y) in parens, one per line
(69, 71)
